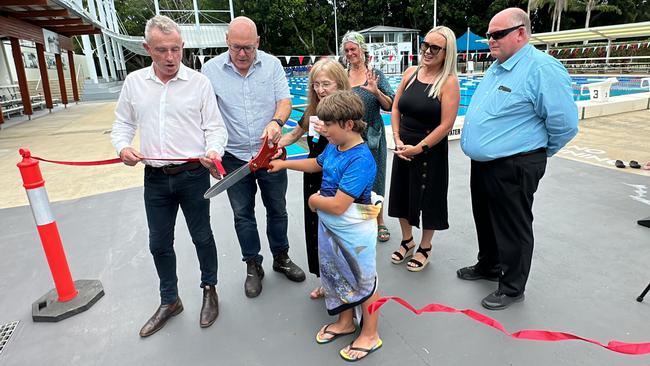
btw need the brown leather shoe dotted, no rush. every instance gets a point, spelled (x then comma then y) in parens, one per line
(160, 317)
(210, 308)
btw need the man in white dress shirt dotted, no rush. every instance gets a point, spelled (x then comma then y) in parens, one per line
(177, 114)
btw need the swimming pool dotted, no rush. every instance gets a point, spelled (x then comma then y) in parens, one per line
(298, 87)
(625, 85)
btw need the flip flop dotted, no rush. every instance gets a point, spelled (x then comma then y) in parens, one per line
(619, 164)
(635, 164)
(334, 335)
(345, 356)
(646, 166)
(383, 234)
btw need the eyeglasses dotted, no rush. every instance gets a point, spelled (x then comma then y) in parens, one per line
(434, 49)
(324, 85)
(496, 35)
(236, 48)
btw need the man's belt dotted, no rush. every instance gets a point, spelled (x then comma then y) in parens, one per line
(179, 168)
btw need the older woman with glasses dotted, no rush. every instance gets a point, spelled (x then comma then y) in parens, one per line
(423, 113)
(325, 77)
(375, 91)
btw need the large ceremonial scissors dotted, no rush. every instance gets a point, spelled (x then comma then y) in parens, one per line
(260, 161)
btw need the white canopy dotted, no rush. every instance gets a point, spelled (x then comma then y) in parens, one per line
(194, 36)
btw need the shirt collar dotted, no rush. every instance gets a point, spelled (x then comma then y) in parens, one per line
(510, 63)
(229, 63)
(182, 73)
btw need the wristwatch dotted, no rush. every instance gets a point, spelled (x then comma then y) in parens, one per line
(425, 147)
(278, 121)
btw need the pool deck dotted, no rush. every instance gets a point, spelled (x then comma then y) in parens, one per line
(590, 263)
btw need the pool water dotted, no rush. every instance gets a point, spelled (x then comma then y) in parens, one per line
(625, 85)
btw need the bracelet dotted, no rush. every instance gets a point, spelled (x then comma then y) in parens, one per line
(278, 121)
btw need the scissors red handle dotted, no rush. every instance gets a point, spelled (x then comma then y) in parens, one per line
(265, 155)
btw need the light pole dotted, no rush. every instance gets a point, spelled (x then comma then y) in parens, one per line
(336, 31)
(435, 11)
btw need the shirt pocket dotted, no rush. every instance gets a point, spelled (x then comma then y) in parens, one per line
(264, 93)
(497, 105)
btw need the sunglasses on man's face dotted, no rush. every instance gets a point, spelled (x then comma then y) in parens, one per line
(496, 35)
(434, 49)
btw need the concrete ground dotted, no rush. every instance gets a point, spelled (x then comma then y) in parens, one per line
(590, 263)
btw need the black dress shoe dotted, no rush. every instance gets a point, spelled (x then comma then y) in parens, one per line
(210, 308)
(254, 275)
(160, 317)
(283, 264)
(472, 273)
(499, 301)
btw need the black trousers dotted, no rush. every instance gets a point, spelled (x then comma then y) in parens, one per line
(502, 202)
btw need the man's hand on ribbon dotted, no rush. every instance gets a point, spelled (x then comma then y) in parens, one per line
(208, 161)
(130, 156)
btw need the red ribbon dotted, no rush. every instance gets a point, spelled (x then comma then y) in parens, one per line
(536, 335)
(217, 163)
(106, 162)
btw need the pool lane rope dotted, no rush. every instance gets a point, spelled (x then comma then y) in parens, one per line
(529, 334)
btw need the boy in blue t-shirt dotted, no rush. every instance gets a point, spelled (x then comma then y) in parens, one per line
(347, 222)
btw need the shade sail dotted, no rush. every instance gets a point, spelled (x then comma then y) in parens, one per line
(476, 43)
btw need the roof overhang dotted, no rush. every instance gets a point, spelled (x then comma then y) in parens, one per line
(609, 32)
(58, 16)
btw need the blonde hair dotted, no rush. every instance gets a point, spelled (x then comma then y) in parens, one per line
(341, 107)
(163, 23)
(331, 69)
(449, 65)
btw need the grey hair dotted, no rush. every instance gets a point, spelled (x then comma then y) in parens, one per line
(163, 23)
(356, 38)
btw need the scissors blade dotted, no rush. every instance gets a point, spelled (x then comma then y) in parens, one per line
(228, 181)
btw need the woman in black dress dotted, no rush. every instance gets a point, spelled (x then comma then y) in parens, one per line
(423, 113)
(325, 77)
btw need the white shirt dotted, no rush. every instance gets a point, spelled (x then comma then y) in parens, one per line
(179, 119)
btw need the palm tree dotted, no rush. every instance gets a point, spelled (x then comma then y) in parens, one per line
(598, 5)
(532, 5)
(558, 8)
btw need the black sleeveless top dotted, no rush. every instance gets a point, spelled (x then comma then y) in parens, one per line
(420, 114)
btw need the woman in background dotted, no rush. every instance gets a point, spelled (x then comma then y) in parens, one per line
(325, 77)
(375, 92)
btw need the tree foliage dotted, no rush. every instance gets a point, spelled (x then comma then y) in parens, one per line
(304, 27)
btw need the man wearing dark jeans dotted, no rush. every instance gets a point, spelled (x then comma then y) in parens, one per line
(254, 99)
(175, 109)
(521, 113)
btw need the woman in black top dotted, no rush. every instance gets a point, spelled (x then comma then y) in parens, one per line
(423, 113)
(325, 77)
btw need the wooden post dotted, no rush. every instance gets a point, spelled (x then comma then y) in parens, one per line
(73, 76)
(2, 117)
(45, 80)
(22, 78)
(59, 72)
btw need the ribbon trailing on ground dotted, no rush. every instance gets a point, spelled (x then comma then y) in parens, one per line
(536, 335)
(106, 162)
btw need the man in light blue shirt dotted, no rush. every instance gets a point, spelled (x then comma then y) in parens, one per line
(521, 113)
(254, 100)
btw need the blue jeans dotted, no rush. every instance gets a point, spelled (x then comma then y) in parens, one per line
(163, 194)
(242, 200)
